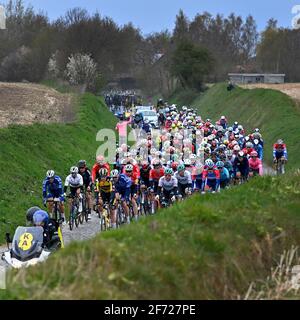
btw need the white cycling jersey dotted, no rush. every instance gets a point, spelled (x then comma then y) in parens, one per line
(185, 179)
(168, 185)
(76, 182)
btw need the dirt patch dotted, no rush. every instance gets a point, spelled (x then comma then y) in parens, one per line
(25, 104)
(291, 89)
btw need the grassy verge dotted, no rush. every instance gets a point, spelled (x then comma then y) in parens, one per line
(205, 248)
(275, 113)
(27, 152)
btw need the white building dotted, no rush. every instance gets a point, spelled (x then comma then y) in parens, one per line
(246, 78)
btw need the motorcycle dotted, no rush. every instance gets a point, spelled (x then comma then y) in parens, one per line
(28, 247)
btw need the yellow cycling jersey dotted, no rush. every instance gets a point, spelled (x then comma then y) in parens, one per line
(104, 186)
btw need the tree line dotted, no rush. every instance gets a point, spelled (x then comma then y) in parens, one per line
(93, 50)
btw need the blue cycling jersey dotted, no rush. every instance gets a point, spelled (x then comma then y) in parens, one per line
(123, 183)
(55, 188)
(224, 174)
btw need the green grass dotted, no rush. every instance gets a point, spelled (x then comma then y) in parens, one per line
(27, 152)
(205, 248)
(276, 114)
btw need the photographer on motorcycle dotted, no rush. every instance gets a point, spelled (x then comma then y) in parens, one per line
(40, 218)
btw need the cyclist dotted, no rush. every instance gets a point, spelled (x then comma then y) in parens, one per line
(145, 174)
(241, 166)
(98, 165)
(210, 177)
(167, 188)
(280, 151)
(155, 174)
(74, 181)
(121, 191)
(87, 183)
(258, 148)
(52, 188)
(184, 179)
(255, 165)
(103, 188)
(132, 173)
(224, 175)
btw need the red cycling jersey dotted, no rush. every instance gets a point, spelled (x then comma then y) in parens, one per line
(96, 168)
(156, 174)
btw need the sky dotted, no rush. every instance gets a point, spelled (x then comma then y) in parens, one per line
(157, 15)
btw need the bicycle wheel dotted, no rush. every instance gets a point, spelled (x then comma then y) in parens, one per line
(86, 211)
(103, 221)
(81, 217)
(71, 220)
(76, 216)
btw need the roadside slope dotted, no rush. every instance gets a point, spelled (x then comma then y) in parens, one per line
(276, 114)
(27, 152)
(211, 248)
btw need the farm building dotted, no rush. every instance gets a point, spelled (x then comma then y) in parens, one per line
(245, 78)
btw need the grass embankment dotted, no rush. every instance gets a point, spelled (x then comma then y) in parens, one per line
(27, 152)
(208, 248)
(276, 114)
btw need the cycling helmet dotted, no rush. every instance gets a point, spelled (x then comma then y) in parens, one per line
(181, 167)
(220, 164)
(40, 218)
(50, 174)
(254, 154)
(168, 171)
(187, 162)
(103, 172)
(74, 170)
(174, 166)
(81, 164)
(249, 145)
(256, 142)
(209, 163)
(241, 154)
(236, 148)
(229, 153)
(129, 168)
(230, 129)
(30, 212)
(114, 173)
(280, 141)
(257, 130)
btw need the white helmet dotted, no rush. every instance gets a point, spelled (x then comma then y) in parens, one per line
(236, 148)
(249, 145)
(74, 170)
(187, 162)
(209, 163)
(114, 173)
(50, 174)
(129, 168)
